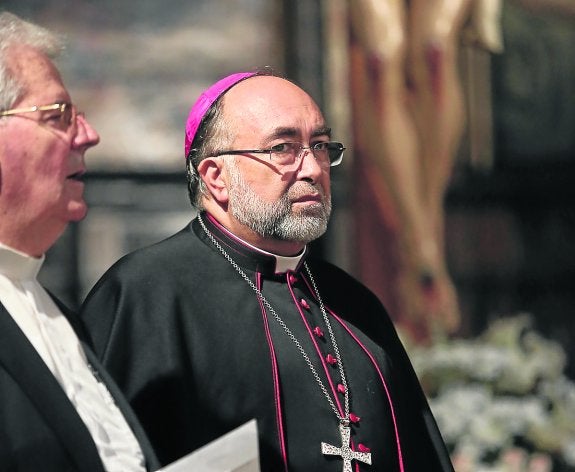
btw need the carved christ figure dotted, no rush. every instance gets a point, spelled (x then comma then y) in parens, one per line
(410, 116)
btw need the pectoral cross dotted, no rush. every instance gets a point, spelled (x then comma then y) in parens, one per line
(346, 453)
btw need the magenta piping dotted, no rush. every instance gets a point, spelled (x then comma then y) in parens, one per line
(318, 350)
(340, 321)
(277, 396)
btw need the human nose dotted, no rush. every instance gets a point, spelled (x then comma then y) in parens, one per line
(310, 168)
(86, 136)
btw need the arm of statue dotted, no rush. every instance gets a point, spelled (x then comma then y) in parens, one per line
(389, 135)
(438, 103)
(387, 132)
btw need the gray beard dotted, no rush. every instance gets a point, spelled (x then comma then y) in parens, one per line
(276, 220)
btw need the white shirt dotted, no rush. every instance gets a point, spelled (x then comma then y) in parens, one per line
(49, 332)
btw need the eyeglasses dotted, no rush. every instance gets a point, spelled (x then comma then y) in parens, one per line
(327, 154)
(62, 117)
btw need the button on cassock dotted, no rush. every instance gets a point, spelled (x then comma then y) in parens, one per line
(330, 359)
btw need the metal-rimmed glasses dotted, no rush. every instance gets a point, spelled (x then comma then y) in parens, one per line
(326, 153)
(64, 114)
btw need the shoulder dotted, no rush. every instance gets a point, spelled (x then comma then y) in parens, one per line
(164, 259)
(170, 249)
(354, 303)
(164, 270)
(343, 291)
(339, 283)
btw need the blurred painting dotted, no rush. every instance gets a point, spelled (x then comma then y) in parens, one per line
(136, 66)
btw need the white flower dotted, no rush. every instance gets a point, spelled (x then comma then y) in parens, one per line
(505, 385)
(568, 451)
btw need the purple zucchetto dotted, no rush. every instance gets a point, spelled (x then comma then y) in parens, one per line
(205, 101)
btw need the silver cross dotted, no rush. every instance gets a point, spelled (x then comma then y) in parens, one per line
(346, 453)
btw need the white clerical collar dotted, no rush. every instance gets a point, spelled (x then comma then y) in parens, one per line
(283, 263)
(19, 266)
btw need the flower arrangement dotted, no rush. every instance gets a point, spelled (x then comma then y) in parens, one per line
(501, 400)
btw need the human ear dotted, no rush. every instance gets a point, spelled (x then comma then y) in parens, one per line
(211, 171)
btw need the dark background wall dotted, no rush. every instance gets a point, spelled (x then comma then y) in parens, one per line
(511, 227)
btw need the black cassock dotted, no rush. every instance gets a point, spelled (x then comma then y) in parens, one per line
(198, 354)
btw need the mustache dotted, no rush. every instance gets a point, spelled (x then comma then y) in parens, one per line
(301, 189)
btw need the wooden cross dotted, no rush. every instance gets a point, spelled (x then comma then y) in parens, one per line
(346, 453)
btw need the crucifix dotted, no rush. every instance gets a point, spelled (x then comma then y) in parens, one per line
(346, 453)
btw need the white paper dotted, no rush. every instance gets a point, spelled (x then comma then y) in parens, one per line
(236, 451)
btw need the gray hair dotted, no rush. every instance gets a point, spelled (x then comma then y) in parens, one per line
(17, 32)
(212, 136)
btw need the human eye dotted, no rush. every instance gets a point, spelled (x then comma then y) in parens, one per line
(56, 117)
(282, 148)
(52, 116)
(321, 146)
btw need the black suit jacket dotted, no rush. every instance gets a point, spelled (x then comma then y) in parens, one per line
(39, 427)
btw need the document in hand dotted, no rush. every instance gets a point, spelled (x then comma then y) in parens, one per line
(236, 451)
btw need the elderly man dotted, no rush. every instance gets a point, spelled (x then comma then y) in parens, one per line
(232, 319)
(56, 411)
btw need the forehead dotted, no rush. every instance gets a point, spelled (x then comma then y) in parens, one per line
(38, 74)
(262, 105)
